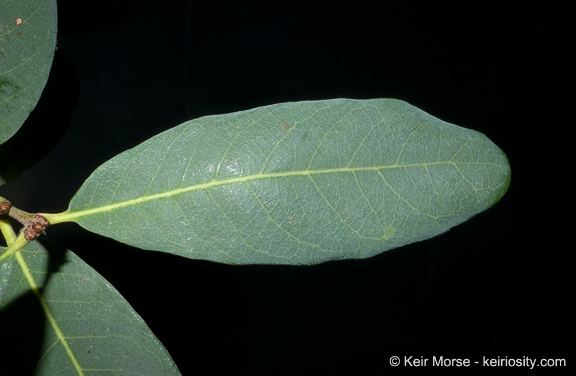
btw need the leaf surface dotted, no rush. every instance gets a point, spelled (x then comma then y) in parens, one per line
(294, 183)
(89, 328)
(27, 44)
(5, 272)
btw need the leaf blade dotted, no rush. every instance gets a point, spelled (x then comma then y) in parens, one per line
(295, 183)
(28, 40)
(5, 272)
(90, 327)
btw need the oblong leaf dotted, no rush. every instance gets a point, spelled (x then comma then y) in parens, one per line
(294, 183)
(89, 329)
(27, 44)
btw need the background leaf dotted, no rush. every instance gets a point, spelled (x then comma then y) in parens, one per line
(5, 272)
(294, 183)
(27, 43)
(103, 332)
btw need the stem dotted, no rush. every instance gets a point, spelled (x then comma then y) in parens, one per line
(55, 218)
(14, 247)
(20, 215)
(14, 243)
(7, 231)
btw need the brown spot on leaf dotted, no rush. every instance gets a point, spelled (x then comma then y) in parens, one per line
(19, 21)
(286, 126)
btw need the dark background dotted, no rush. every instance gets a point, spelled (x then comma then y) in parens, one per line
(497, 285)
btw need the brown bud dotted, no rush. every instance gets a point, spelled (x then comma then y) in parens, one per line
(30, 234)
(41, 220)
(37, 227)
(5, 207)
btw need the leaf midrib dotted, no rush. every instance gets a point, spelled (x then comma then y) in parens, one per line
(69, 215)
(49, 316)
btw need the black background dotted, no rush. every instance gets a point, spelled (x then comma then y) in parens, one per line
(497, 285)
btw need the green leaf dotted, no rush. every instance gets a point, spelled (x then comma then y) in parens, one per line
(294, 183)
(5, 272)
(89, 328)
(27, 43)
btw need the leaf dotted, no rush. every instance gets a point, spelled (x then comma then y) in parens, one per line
(294, 183)
(5, 272)
(27, 44)
(90, 329)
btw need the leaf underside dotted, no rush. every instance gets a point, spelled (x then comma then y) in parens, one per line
(27, 44)
(103, 333)
(5, 273)
(294, 183)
